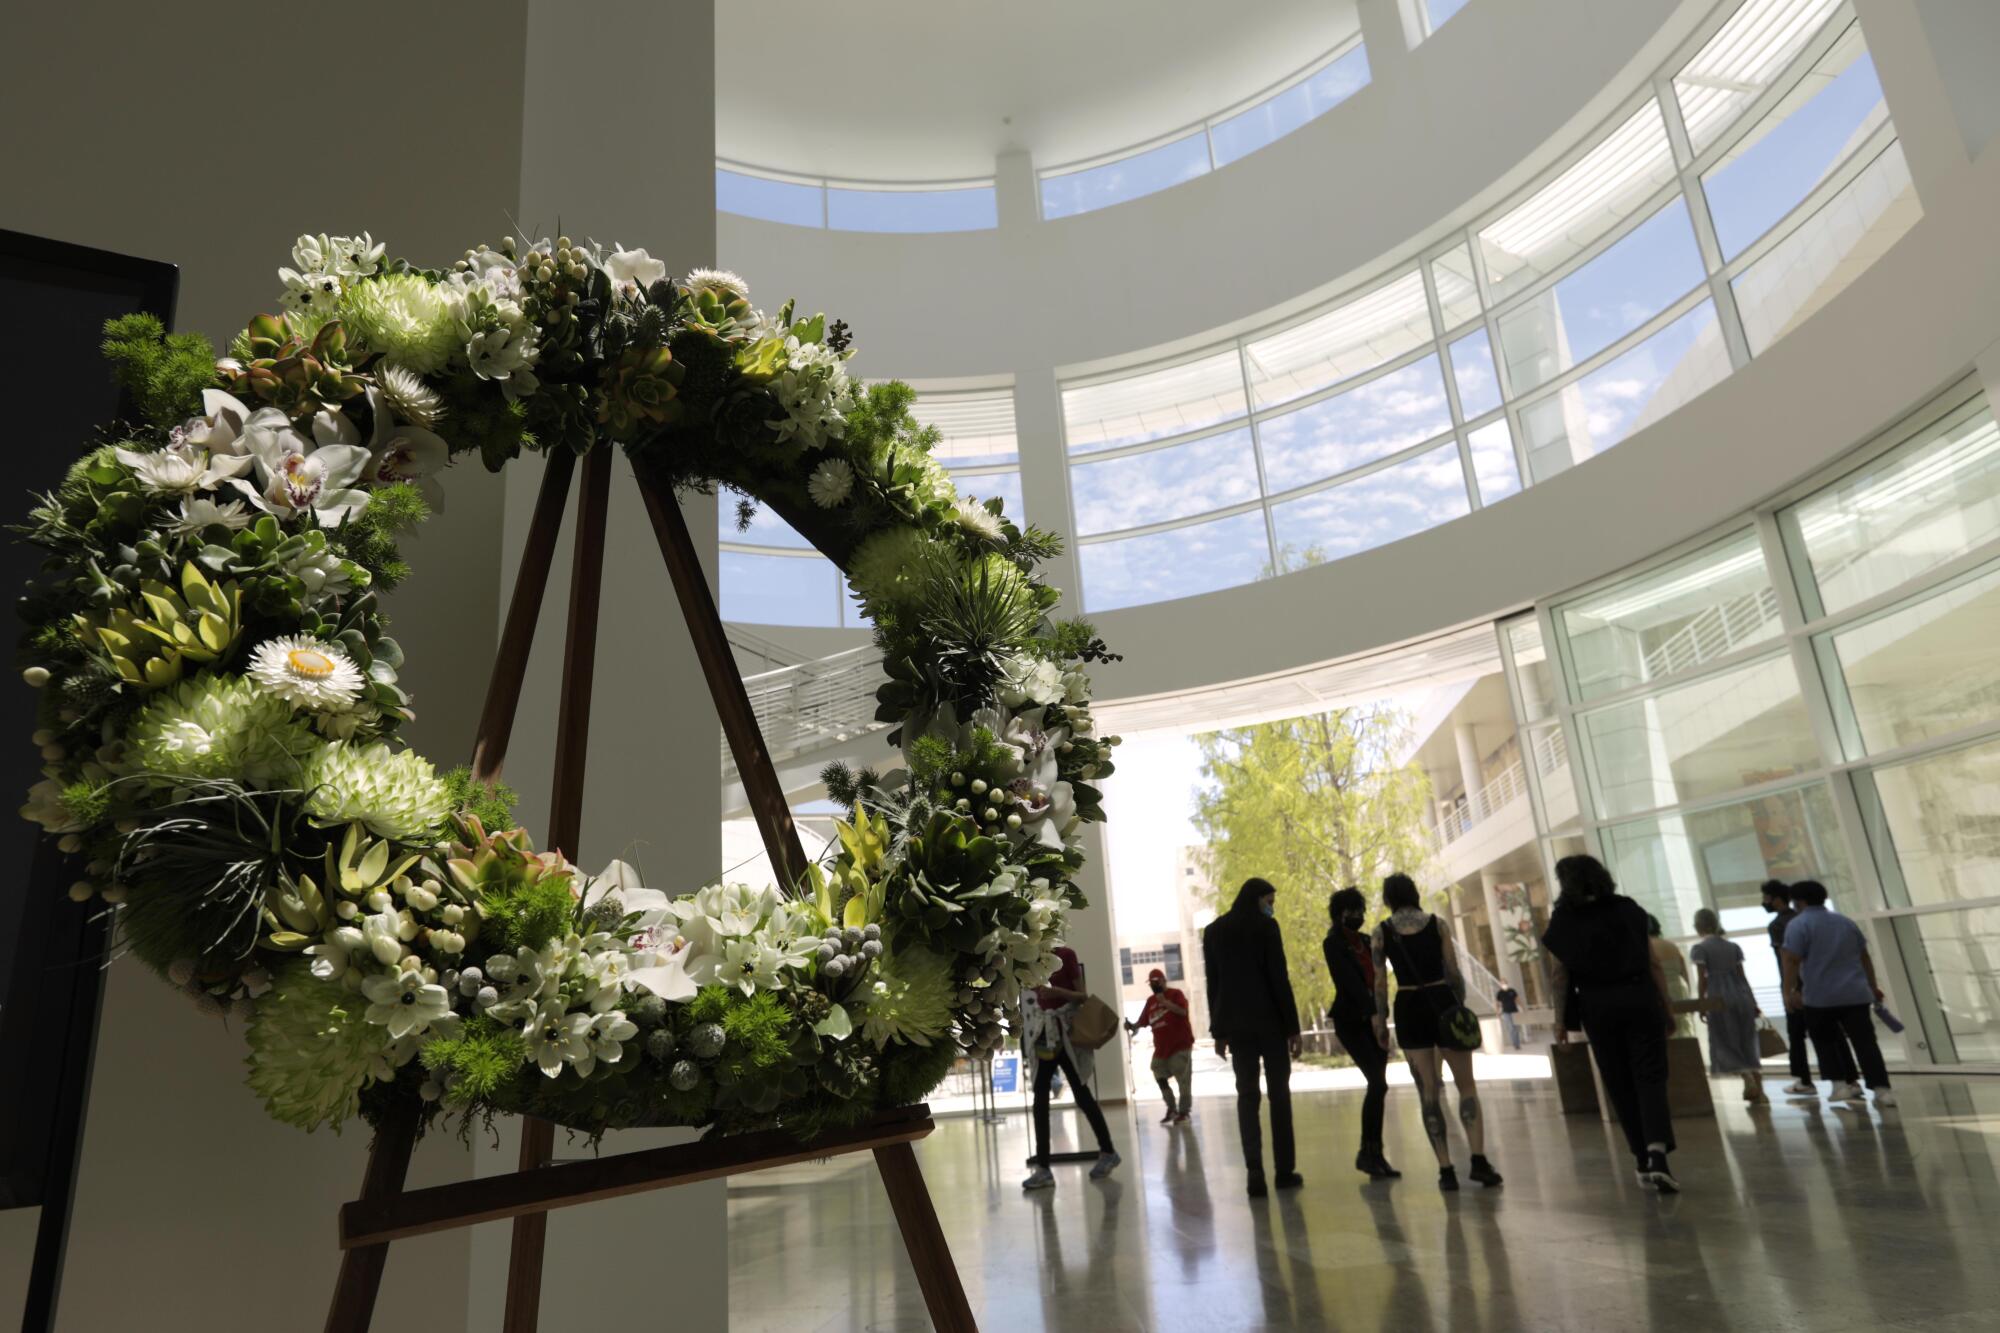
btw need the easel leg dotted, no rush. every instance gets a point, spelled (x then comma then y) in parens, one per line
(924, 1239)
(361, 1269)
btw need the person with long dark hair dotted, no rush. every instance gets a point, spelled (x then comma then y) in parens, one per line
(1047, 1050)
(1428, 983)
(1350, 961)
(1255, 1022)
(1609, 981)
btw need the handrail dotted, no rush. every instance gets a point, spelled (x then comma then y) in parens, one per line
(1714, 632)
(811, 704)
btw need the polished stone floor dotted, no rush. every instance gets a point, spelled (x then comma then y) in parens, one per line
(1802, 1217)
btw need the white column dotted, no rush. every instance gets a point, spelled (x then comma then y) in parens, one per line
(653, 794)
(1389, 28)
(1935, 60)
(1468, 767)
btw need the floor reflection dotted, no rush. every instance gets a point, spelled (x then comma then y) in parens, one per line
(1804, 1217)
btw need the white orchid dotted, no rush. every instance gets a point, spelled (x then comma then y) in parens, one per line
(406, 1003)
(1048, 814)
(632, 271)
(313, 477)
(556, 1038)
(219, 429)
(663, 971)
(182, 471)
(400, 452)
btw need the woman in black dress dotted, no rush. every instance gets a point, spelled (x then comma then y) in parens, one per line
(1350, 962)
(1428, 982)
(1609, 981)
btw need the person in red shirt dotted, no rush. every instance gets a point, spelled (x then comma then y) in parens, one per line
(1166, 1013)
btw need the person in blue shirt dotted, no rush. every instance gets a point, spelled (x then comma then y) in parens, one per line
(1831, 979)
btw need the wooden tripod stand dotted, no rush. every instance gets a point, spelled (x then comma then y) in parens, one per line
(385, 1211)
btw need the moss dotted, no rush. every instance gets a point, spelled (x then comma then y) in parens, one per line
(527, 916)
(164, 372)
(370, 539)
(493, 805)
(86, 802)
(757, 1027)
(484, 1059)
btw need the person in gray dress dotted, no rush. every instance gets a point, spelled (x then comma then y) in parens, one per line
(1732, 1028)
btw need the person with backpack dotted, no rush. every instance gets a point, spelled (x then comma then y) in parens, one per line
(1255, 1023)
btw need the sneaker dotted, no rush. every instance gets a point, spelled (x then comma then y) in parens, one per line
(1180, 1117)
(1483, 1172)
(1107, 1162)
(1884, 1097)
(1800, 1088)
(1847, 1092)
(1168, 1118)
(1041, 1178)
(1448, 1178)
(1256, 1188)
(1290, 1180)
(1659, 1176)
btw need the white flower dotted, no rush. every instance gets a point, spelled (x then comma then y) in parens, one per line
(386, 933)
(632, 271)
(405, 1003)
(342, 256)
(1048, 814)
(663, 971)
(199, 514)
(308, 672)
(334, 955)
(300, 476)
(831, 483)
(1076, 687)
(605, 1038)
(749, 965)
(497, 354)
(400, 453)
(220, 430)
(45, 807)
(815, 392)
(976, 519)
(1030, 681)
(183, 471)
(718, 280)
(413, 400)
(557, 1038)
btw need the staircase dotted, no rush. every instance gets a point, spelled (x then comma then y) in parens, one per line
(808, 706)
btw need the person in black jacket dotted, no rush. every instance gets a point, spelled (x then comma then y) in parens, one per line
(1254, 1021)
(1609, 981)
(1350, 962)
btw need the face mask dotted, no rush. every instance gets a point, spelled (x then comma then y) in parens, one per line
(1268, 909)
(1354, 920)
(1159, 986)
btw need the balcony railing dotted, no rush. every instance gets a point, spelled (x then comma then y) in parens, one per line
(1715, 632)
(813, 704)
(1551, 752)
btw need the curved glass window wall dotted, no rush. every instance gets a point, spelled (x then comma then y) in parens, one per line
(807, 201)
(1757, 176)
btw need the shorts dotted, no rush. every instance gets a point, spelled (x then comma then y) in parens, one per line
(1417, 1018)
(1178, 1065)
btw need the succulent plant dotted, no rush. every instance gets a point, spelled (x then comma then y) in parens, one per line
(949, 869)
(288, 371)
(200, 623)
(640, 393)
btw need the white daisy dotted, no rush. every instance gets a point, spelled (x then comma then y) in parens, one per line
(718, 280)
(981, 522)
(831, 483)
(413, 400)
(198, 515)
(307, 672)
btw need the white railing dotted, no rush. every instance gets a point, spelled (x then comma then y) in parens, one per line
(813, 704)
(1480, 985)
(1715, 632)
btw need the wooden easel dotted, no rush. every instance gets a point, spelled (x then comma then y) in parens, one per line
(386, 1212)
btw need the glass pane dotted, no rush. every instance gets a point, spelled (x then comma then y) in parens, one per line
(1550, 747)
(1746, 55)
(1671, 619)
(1638, 277)
(1779, 162)
(1131, 177)
(1335, 435)
(1276, 116)
(1625, 394)
(1592, 197)
(1493, 461)
(1675, 864)
(1372, 511)
(1178, 563)
(975, 208)
(1939, 824)
(1531, 666)
(765, 529)
(1342, 343)
(1828, 250)
(773, 201)
(1908, 512)
(1700, 740)
(975, 428)
(779, 589)
(1440, 12)
(983, 486)
(1160, 484)
(1472, 367)
(1926, 670)
(1958, 951)
(1457, 288)
(1155, 404)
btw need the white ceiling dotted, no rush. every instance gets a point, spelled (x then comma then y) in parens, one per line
(935, 89)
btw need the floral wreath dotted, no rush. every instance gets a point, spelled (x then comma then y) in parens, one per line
(221, 703)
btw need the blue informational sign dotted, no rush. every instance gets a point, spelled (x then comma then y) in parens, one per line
(1006, 1073)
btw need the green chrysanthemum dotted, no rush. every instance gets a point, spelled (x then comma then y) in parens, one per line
(910, 999)
(310, 1052)
(879, 568)
(219, 727)
(395, 793)
(404, 317)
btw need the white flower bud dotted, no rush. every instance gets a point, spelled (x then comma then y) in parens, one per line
(112, 893)
(1013, 821)
(958, 779)
(69, 843)
(53, 752)
(979, 786)
(42, 737)
(451, 914)
(82, 891)
(346, 911)
(420, 898)
(377, 900)
(989, 814)
(36, 677)
(447, 941)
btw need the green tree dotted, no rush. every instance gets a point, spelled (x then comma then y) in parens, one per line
(1312, 804)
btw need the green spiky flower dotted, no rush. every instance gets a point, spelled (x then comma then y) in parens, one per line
(310, 1052)
(404, 317)
(910, 999)
(395, 794)
(219, 727)
(879, 568)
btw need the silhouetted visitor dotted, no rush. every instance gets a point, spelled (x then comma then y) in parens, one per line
(1673, 966)
(1829, 975)
(1508, 1001)
(1045, 1041)
(1608, 981)
(1778, 902)
(1166, 1013)
(1428, 988)
(1350, 961)
(1255, 1022)
(1732, 1028)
